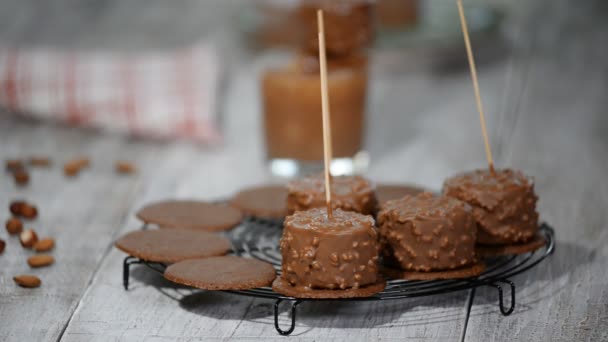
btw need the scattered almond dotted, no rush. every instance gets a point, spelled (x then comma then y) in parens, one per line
(40, 260)
(16, 207)
(125, 167)
(28, 238)
(44, 245)
(13, 165)
(14, 226)
(29, 211)
(73, 167)
(25, 280)
(2, 246)
(21, 177)
(40, 161)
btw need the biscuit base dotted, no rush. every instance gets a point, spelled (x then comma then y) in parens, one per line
(283, 287)
(459, 273)
(221, 273)
(486, 251)
(156, 245)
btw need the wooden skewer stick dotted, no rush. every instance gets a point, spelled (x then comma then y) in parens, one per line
(482, 120)
(325, 112)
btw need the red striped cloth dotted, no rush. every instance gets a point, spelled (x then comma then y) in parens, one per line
(155, 94)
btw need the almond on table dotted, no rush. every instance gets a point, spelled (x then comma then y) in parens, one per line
(29, 211)
(73, 167)
(40, 161)
(13, 165)
(14, 226)
(16, 206)
(125, 167)
(2, 246)
(28, 238)
(40, 260)
(44, 245)
(21, 177)
(26, 280)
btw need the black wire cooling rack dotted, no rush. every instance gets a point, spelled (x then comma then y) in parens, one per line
(259, 238)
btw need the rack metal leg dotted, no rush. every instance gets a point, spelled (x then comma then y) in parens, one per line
(501, 304)
(129, 260)
(294, 304)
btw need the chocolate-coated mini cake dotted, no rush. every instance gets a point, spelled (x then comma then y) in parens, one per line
(504, 204)
(427, 233)
(329, 254)
(351, 193)
(348, 24)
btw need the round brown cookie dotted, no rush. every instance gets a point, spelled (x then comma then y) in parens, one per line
(283, 287)
(184, 214)
(486, 251)
(222, 273)
(387, 192)
(172, 245)
(268, 201)
(465, 272)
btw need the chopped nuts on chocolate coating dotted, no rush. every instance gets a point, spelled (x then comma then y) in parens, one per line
(412, 233)
(326, 256)
(352, 193)
(504, 204)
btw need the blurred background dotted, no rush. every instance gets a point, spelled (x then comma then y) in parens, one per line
(237, 74)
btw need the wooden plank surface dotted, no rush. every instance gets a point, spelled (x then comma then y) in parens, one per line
(81, 214)
(566, 298)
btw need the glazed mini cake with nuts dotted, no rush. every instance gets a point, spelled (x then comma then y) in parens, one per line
(427, 233)
(350, 193)
(348, 25)
(504, 204)
(331, 254)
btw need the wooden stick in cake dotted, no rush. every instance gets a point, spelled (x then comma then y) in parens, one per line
(482, 120)
(325, 112)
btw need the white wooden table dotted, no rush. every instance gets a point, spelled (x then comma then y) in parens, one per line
(547, 108)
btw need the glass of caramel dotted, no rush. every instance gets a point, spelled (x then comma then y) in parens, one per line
(291, 99)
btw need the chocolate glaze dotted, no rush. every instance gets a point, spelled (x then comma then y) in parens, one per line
(352, 193)
(426, 233)
(348, 24)
(336, 253)
(504, 204)
(387, 192)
